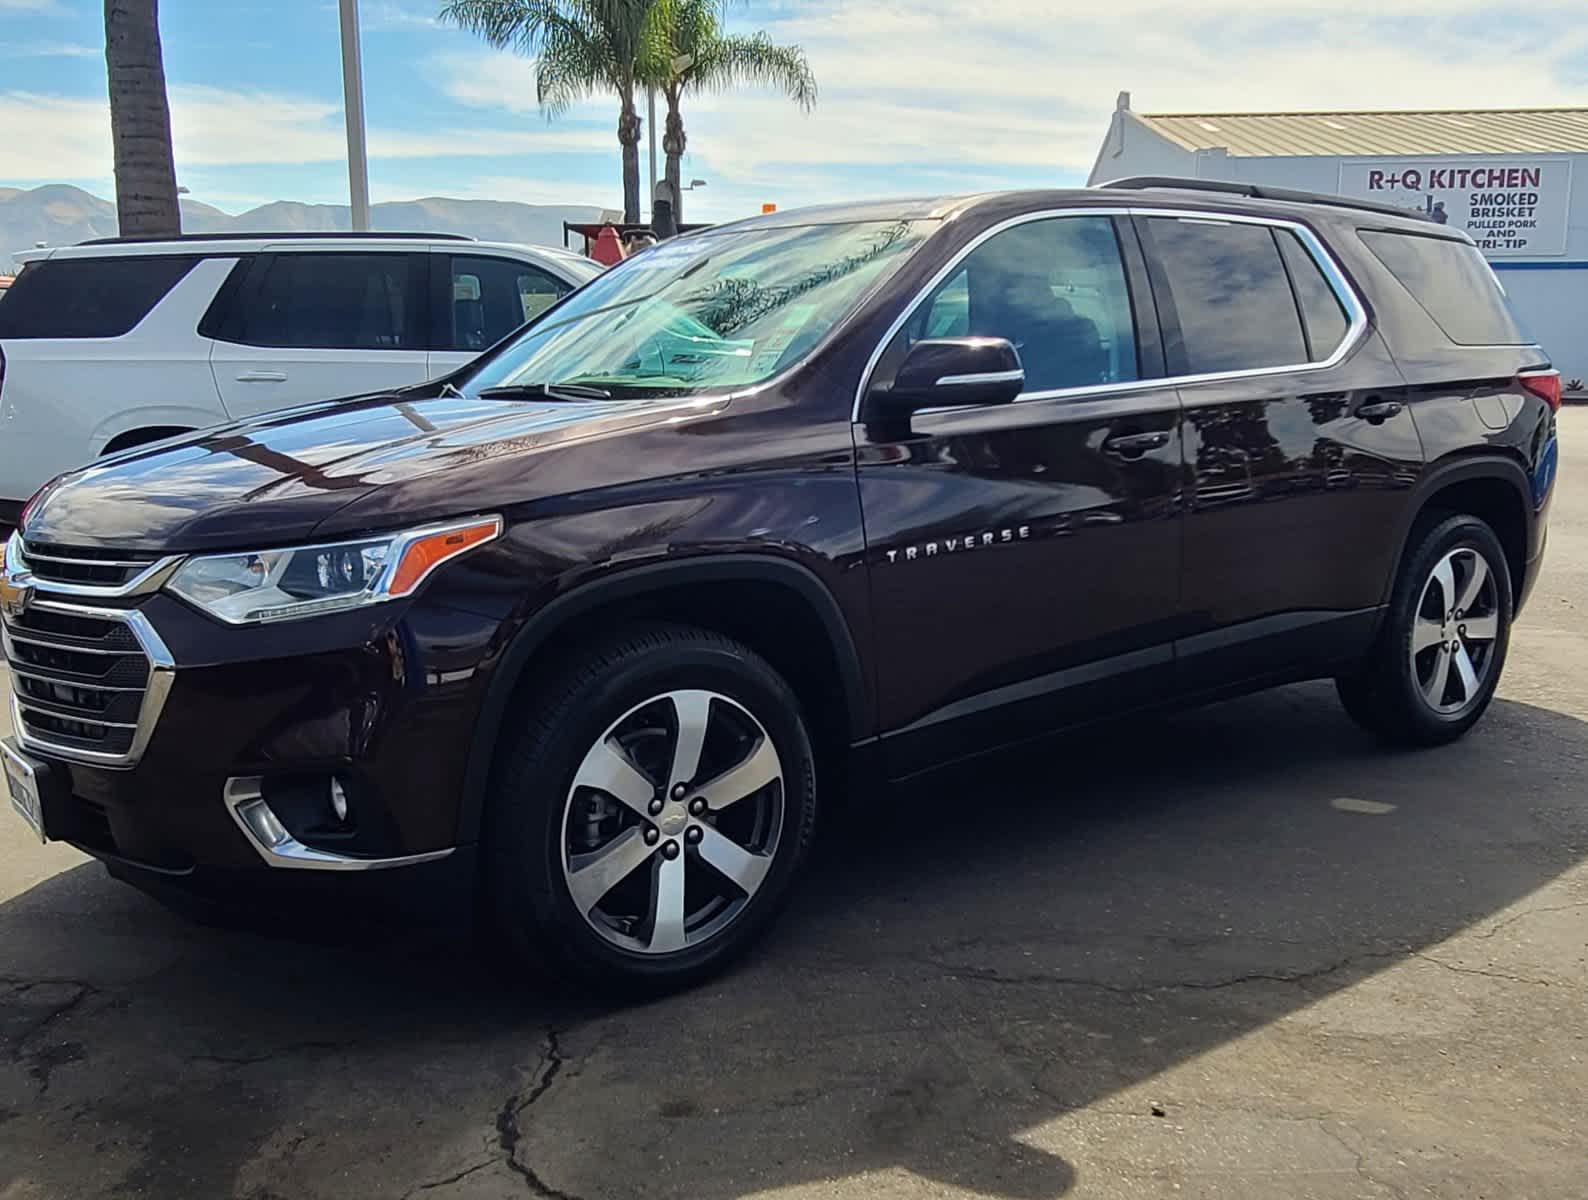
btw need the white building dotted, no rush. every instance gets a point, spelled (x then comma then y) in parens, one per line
(1505, 176)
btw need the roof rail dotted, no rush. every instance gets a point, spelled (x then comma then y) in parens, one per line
(1256, 192)
(276, 235)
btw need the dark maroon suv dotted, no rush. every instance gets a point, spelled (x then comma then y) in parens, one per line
(587, 631)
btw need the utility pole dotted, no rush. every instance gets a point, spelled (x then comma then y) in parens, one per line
(353, 106)
(650, 130)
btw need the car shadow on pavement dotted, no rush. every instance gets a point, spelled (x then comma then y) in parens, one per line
(968, 961)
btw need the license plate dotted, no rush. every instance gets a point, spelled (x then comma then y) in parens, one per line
(23, 784)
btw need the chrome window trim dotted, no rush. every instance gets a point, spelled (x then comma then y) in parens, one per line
(1353, 304)
(150, 579)
(162, 671)
(245, 801)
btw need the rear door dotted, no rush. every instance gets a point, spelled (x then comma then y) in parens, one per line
(478, 299)
(1299, 446)
(1025, 559)
(93, 346)
(300, 326)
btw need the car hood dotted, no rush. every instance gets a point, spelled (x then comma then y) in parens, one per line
(276, 479)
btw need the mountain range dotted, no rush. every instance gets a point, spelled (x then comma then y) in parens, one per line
(61, 215)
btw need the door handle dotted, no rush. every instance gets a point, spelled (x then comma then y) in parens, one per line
(1134, 445)
(1376, 411)
(262, 377)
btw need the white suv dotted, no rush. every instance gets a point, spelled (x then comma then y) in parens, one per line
(114, 343)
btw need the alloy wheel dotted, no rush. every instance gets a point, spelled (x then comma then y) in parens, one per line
(673, 821)
(1454, 631)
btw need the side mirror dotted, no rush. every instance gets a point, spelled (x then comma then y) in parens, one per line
(950, 373)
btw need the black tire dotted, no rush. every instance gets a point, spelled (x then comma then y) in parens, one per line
(1387, 696)
(530, 799)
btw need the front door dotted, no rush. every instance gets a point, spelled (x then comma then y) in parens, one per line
(476, 300)
(1025, 559)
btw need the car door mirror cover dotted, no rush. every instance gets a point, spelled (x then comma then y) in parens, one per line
(951, 373)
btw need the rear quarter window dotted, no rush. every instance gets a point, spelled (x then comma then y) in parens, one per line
(87, 297)
(1452, 283)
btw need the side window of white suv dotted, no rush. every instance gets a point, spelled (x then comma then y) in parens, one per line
(300, 326)
(490, 297)
(323, 301)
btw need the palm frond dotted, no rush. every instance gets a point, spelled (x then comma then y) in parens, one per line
(755, 59)
(506, 24)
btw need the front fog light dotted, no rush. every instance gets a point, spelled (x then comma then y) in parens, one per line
(338, 800)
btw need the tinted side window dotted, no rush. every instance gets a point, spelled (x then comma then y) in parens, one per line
(491, 297)
(87, 297)
(1231, 294)
(1055, 288)
(1452, 283)
(326, 302)
(1322, 315)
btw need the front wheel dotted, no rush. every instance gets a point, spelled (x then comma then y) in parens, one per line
(649, 816)
(1439, 657)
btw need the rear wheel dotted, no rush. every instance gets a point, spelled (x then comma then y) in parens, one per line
(648, 819)
(1439, 657)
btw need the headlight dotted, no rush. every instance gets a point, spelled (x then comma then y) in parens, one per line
(284, 585)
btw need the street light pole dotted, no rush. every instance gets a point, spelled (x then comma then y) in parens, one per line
(353, 106)
(650, 129)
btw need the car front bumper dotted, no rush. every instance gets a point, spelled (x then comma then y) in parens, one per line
(220, 786)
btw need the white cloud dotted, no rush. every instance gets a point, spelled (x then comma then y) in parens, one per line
(69, 138)
(51, 50)
(389, 17)
(489, 79)
(929, 87)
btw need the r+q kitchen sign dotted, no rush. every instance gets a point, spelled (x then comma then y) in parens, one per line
(1511, 207)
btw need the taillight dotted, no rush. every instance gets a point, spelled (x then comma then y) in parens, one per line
(1545, 385)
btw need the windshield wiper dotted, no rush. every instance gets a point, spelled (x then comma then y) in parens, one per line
(551, 391)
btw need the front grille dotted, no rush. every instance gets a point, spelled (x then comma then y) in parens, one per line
(80, 680)
(80, 565)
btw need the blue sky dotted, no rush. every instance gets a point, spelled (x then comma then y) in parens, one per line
(922, 97)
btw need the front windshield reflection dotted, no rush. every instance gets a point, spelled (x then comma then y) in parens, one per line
(706, 312)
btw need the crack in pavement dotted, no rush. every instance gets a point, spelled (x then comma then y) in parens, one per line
(44, 1062)
(991, 975)
(1360, 1156)
(1507, 922)
(453, 1178)
(1429, 958)
(508, 1134)
(248, 1060)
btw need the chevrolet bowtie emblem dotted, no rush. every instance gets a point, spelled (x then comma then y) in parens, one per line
(14, 596)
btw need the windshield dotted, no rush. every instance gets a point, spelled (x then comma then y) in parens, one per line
(710, 311)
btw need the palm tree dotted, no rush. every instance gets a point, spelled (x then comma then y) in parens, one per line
(140, 121)
(694, 55)
(580, 47)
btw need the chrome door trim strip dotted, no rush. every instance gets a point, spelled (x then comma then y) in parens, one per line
(1344, 292)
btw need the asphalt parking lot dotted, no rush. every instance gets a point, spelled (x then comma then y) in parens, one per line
(1242, 952)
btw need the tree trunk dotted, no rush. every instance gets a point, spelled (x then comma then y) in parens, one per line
(673, 144)
(140, 121)
(629, 137)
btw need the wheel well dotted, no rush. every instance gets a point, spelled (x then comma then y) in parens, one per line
(138, 437)
(1495, 502)
(772, 619)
